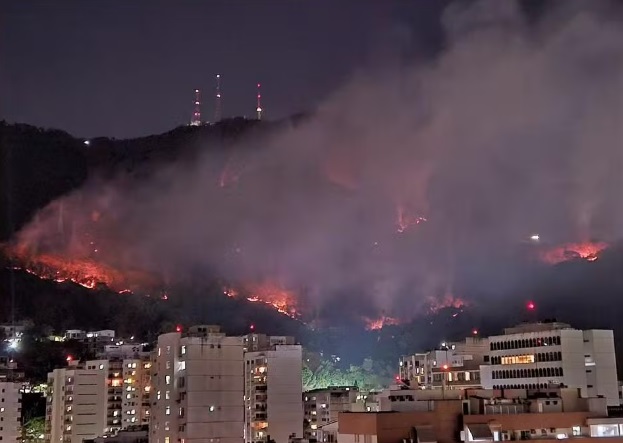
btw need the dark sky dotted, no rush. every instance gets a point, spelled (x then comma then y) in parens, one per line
(128, 68)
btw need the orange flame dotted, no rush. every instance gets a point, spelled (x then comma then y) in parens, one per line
(84, 272)
(271, 294)
(379, 323)
(588, 251)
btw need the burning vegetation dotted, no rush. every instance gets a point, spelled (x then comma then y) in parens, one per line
(572, 251)
(268, 293)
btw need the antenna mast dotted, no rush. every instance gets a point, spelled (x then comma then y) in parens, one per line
(196, 120)
(259, 102)
(217, 103)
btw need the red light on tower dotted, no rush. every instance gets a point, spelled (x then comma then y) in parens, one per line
(531, 306)
(475, 331)
(445, 367)
(178, 328)
(69, 358)
(252, 327)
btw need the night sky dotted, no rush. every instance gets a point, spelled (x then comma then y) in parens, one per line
(128, 68)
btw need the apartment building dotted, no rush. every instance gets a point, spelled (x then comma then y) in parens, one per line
(10, 411)
(485, 415)
(76, 406)
(198, 387)
(97, 398)
(273, 386)
(322, 406)
(454, 365)
(539, 355)
(135, 405)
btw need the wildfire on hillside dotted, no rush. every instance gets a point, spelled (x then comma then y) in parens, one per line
(82, 271)
(379, 323)
(271, 294)
(587, 250)
(447, 301)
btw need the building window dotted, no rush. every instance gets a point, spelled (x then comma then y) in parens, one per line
(518, 359)
(167, 379)
(167, 410)
(167, 395)
(167, 439)
(576, 431)
(183, 349)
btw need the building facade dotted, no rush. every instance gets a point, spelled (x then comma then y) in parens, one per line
(97, 398)
(322, 406)
(539, 355)
(10, 411)
(452, 366)
(76, 404)
(273, 387)
(198, 387)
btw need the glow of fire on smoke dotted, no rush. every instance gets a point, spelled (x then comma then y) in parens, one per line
(405, 221)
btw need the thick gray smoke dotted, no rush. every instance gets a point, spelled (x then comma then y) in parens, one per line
(513, 129)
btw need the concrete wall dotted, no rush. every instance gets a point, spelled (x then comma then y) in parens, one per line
(285, 386)
(599, 345)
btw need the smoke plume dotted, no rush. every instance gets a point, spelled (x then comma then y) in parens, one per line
(404, 182)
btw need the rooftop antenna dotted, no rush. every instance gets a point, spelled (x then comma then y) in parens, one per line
(217, 103)
(259, 102)
(196, 120)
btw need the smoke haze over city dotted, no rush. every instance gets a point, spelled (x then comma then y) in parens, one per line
(412, 185)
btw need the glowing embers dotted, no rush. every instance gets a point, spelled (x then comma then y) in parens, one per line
(404, 221)
(518, 359)
(587, 250)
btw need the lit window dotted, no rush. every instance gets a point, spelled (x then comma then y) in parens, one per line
(183, 350)
(167, 395)
(159, 351)
(577, 431)
(182, 365)
(167, 410)
(158, 395)
(518, 359)
(167, 439)
(101, 366)
(212, 408)
(167, 379)
(128, 396)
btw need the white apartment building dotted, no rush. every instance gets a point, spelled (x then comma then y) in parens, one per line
(538, 355)
(10, 411)
(97, 397)
(198, 387)
(273, 387)
(454, 365)
(76, 405)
